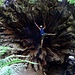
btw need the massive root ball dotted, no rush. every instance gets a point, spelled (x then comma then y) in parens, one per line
(17, 26)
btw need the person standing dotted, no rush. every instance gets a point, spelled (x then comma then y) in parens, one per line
(42, 33)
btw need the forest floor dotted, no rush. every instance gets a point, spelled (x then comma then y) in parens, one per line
(29, 71)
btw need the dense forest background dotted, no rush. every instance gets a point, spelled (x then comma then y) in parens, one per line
(71, 1)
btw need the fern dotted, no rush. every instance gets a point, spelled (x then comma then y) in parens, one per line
(12, 69)
(3, 50)
(72, 1)
(1, 2)
(4, 62)
(8, 64)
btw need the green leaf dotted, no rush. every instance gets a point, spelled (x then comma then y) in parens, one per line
(3, 49)
(1, 2)
(71, 1)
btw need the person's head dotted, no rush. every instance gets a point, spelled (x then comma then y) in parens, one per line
(41, 26)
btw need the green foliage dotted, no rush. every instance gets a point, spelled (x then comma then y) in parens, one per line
(7, 62)
(6, 67)
(3, 50)
(12, 69)
(71, 1)
(1, 2)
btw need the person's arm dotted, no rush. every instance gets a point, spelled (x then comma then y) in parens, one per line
(37, 25)
(44, 26)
